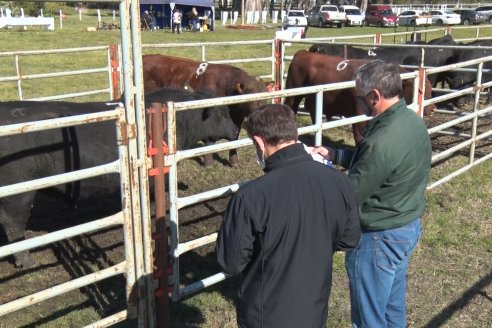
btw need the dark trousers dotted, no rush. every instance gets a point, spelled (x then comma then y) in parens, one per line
(177, 27)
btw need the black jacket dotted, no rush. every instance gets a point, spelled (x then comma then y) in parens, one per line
(280, 231)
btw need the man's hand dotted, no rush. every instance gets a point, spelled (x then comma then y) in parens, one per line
(326, 152)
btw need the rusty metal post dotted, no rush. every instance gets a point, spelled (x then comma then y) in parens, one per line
(278, 69)
(115, 74)
(421, 92)
(377, 39)
(161, 240)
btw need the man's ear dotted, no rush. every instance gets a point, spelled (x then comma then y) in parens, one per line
(260, 142)
(376, 97)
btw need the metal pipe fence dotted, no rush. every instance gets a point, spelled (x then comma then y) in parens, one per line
(19, 77)
(118, 219)
(178, 248)
(202, 46)
(132, 166)
(135, 214)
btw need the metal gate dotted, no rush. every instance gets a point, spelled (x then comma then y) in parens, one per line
(132, 166)
(176, 203)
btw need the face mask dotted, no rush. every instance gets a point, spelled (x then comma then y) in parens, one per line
(368, 109)
(260, 158)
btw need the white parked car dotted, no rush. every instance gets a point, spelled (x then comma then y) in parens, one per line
(414, 18)
(354, 16)
(294, 18)
(445, 17)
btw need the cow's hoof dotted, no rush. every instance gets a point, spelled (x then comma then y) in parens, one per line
(208, 160)
(234, 161)
(24, 260)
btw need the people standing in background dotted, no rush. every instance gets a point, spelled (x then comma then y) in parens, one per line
(193, 16)
(176, 21)
(280, 231)
(390, 170)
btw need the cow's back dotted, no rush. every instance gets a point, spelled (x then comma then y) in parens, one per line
(166, 71)
(220, 79)
(44, 153)
(311, 68)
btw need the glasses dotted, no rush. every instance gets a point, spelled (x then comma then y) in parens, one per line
(364, 104)
(363, 98)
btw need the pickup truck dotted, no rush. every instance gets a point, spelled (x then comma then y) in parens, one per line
(324, 15)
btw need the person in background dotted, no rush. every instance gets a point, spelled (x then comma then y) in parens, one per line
(280, 231)
(152, 17)
(390, 171)
(148, 21)
(176, 21)
(193, 16)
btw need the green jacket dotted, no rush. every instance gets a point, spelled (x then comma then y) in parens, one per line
(390, 168)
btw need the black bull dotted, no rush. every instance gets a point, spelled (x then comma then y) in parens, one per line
(35, 155)
(433, 57)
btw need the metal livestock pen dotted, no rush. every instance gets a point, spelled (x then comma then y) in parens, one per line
(132, 166)
(139, 212)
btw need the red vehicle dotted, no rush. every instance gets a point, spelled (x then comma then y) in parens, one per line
(380, 15)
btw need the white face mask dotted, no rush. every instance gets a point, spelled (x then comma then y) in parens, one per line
(260, 157)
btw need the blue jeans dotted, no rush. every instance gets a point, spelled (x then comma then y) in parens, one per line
(377, 271)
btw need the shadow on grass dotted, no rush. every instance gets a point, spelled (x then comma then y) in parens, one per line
(477, 289)
(193, 267)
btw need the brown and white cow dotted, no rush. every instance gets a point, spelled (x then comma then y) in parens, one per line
(222, 80)
(311, 68)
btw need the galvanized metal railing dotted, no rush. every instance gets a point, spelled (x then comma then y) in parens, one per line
(139, 224)
(121, 218)
(178, 248)
(20, 76)
(132, 166)
(204, 45)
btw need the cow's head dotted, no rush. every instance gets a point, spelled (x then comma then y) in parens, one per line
(251, 85)
(408, 95)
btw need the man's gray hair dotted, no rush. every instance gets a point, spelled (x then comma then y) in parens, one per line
(384, 77)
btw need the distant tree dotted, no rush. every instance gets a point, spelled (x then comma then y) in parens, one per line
(363, 5)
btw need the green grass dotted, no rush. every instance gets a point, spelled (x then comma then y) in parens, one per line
(449, 275)
(74, 34)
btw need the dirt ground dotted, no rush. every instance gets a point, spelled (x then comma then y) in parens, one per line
(82, 255)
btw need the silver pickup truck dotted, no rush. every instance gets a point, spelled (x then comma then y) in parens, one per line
(324, 15)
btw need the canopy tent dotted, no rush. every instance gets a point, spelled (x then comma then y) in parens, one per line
(163, 9)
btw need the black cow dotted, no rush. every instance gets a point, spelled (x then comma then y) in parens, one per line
(402, 56)
(39, 154)
(462, 80)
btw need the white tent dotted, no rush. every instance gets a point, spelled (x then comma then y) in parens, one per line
(164, 8)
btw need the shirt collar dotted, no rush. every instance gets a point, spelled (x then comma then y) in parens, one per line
(286, 156)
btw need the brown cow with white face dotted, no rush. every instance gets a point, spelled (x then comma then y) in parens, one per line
(222, 80)
(310, 69)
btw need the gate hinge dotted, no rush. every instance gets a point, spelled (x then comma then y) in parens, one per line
(128, 131)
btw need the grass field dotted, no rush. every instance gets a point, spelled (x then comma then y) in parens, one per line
(450, 275)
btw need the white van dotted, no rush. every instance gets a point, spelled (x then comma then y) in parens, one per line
(354, 16)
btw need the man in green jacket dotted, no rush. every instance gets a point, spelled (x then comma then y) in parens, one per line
(390, 171)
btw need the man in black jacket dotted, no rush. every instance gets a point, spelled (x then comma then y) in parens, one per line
(280, 231)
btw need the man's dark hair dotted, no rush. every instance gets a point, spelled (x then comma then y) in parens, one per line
(275, 123)
(384, 77)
